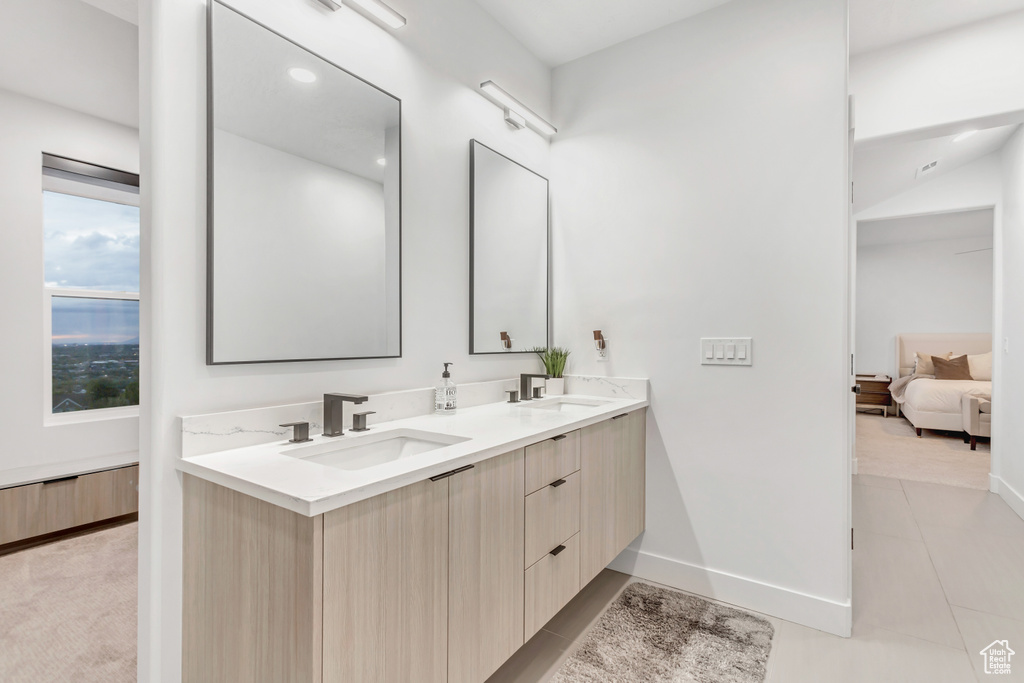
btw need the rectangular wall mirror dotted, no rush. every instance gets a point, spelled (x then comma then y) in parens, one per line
(304, 232)
(508, 296)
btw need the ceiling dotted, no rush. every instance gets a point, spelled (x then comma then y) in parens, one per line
(879, 23)
(936, 226)
(886, 170)
(559, 31)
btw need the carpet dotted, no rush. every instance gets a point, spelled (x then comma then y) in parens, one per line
(68, 609)
(889, 447)
(654, 635)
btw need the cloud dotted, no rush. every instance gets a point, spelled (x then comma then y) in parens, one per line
(90, 244)
(94, 321)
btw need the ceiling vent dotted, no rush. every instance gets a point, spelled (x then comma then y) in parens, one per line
(927, 168)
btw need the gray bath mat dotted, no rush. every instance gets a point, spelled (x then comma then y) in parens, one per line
(653, 635)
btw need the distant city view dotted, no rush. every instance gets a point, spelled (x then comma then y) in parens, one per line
(90, 376)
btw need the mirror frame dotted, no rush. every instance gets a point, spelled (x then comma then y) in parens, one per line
(472, 252)
(210, 195)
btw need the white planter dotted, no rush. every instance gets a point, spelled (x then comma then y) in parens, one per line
(554, 387)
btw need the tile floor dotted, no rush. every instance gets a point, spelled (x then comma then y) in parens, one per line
(938, 575)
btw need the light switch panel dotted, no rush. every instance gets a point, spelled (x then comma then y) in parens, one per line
(726, 351)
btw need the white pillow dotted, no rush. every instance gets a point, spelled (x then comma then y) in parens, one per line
(923, 362)
(981, 366)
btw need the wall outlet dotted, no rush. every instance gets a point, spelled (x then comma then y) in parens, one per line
(726, 351)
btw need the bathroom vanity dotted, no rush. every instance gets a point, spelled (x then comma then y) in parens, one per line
(426, 563)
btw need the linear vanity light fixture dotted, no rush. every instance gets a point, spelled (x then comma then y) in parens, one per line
(375, 8)
(515, 110)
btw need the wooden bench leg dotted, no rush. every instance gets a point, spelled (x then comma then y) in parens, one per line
(974, 442)
(918, 429)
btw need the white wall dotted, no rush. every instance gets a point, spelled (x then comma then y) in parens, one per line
(699, 189)
(300, 248)
(28, 449)
(1008, 470)
(72, 54)
(925, 286)
(975, 71)
(435, 65)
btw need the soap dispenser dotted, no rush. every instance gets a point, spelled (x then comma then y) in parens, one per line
(445, 393)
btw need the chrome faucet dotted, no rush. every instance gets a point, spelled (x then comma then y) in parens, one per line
(334, 413)
(526, 385)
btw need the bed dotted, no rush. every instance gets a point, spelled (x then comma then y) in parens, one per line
(933, 403)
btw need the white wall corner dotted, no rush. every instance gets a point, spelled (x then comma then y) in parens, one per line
(1009, 494)
(812, 611)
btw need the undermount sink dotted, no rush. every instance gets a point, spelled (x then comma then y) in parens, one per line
(361, 452)
(565, 404)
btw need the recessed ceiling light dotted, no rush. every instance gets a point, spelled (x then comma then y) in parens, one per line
(382, 161)
(963, 136)
(302, 75)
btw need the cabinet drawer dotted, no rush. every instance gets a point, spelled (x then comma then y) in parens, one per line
(37, 509)
(552, 459)
(552, 515)
(550, 584)
(871, 398)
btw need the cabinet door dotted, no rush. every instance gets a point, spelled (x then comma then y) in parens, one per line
(386, 588)
(485, 590)
(613, 481)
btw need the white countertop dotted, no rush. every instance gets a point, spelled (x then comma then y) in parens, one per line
(267, 471)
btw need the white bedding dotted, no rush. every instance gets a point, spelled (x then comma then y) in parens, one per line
(942, 395)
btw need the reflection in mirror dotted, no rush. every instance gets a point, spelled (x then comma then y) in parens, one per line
(509, 254)
(305, 204)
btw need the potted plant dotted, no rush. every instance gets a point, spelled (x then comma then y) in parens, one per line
(553, 358)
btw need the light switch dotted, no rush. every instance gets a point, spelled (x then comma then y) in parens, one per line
(726, 351)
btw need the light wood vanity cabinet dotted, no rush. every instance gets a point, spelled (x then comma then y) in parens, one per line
(613, 481)
(437, 582)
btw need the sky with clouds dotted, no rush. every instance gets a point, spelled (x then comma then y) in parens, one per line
(90, 244)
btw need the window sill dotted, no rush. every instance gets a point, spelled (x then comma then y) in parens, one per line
(98, 415)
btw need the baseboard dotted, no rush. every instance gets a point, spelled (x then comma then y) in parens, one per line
(1012, 497)
(799, 608)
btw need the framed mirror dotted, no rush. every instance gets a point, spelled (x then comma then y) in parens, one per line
(508, 264)
(305, 203)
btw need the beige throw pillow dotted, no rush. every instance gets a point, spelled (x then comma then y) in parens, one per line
(924, 366)
(981, 366)
(954, 368)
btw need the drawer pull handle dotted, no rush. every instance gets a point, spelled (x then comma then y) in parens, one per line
(556, 484)
(59, 479)
(445, 475)
(557, 550)
(618, 416)
(559, 437)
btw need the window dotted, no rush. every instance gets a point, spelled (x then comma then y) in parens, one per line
(91, 257)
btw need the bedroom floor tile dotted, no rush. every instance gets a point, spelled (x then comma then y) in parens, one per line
(979, 571)
(871, 654)
(896, 588)
(536, 661)
(875, 480)
(961, 508)
(883, 511)
(980, 629)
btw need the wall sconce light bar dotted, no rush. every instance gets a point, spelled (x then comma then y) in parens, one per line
(375, 8)
(496, 94)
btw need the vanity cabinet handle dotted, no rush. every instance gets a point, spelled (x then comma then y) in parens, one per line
(60, 479)
(618, 416)
(557, 550)
(445, 475)
(559, 437)
(556, 484)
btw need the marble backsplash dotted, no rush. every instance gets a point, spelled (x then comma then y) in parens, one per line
(201, 434)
